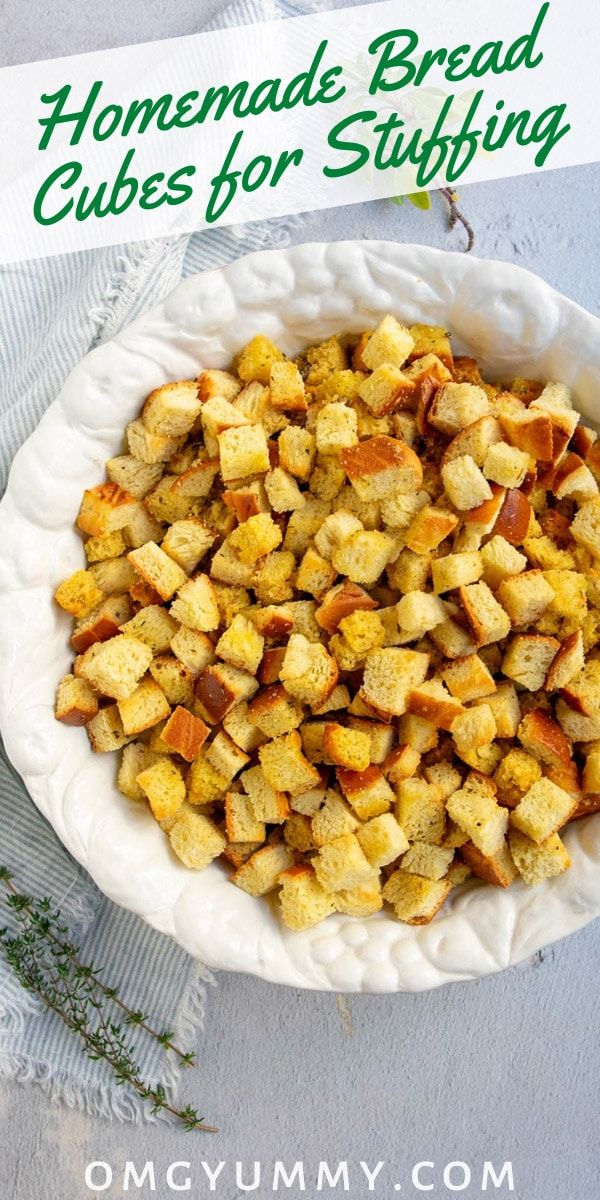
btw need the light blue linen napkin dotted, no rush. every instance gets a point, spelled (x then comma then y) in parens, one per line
(52, 313)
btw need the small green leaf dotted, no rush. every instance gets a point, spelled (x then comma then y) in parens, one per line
(420, 200)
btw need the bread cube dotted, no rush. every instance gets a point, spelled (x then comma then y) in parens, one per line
(187, 541)
(496, 869)
(456, 570)
(274, 712)
(478, 814)
(303, 901)
(433, 701)
(446, 778)
(217, 383)
(390, 342)
(308, 672)
(145, 707)
(148, 447)
(456, 405)
(346, 747)
(206, 785)
(241, 824)
(367, 791)
(256, 359)
(474, 727)
(195, 839)
(336, 428)
(220, 686)
(468, 678)
(420, 811)
(385, 389)
(79, 594)
(361, 901)
(382, 466)
(286, 767)
(171, 410)
(543, 738)
(339, 602)
(382, 840)
(418, 612)
(241, 645)
(136, 477)
(193, 649)
(102, 623)
(543, 810)
(260, 873)
(525, 597)
(184, 733)
(226, 757)
(335, 530)
(157, 569)
(428, 529)
(243, 451)
(115, 667)
(136, 757)
(537, 861)
(152, 625)
(105, 730)
(297, 451)
(415, 900)
(332, 820)
(528, 658)
(76, 701)
(591, 771)
(164, 787)
(315, 574)
(464, 484)
(430, 862)
(195, 605)
(389, 675)
(529, 430)
(113, 575)
(268, 804)
(287, 387)
(283, 491)
(487, 619)
(255, 538)
(576, 726)
(381, 737)
(516, 774)
(341, 864)
(274, 577)
(500, 561)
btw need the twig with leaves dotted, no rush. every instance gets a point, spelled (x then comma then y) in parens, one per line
(48, 964)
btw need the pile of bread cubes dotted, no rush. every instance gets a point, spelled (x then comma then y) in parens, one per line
(341, 616)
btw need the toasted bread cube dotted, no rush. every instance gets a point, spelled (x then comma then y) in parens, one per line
(287, 387)
(148, 447)
(591, 771)
(364, 556)
(220, 686)
(304, 902)
(446, 778)
(477, 813)
(420, 811)
(516, 774)
(105, 730)
(430, 862)
(297, 451)
(418, 612)
(456, 405)
(525, 597)
(152, 625)
(79, 594)
(339, 602)
(268, 804)
(380, 467)
(195, 605)
(115, 667)
(171, 410)
(243, 451)
(456, 570)
(283, 491)
(193, 649)
(186, 542)
(465, 485)
(433, 701)
(577, 726)
(145, 707)
(217, 383)
(544, 553)
(308, 803)
(385, 389)
(136, 757)
(543, 810)
(428, 529)
(97, 549)
(528, 658)
(333, 820)
(327, 478)
(567, 609)
(535, 861)
(415, 900)
(241, 824)
(432, 341)
(76, 702)
(297, 833)
(540, 735)
(195, 839)
(227, 759)
(389, 676)
(315, 574)
(308, 672)
(529, 430)
(334, 531)
(113, 575)
(158, 570)
(241, 645)
(361, 901)
(496, 869)
(102, 623)
(474, 727)
(500, 561)
(256, 359)
(274, 578)
(255, 538)
(104, 509)
(164, 787)
(398, 511)
(341, 864)
(488, 620)
(347, 747)
(468, 678)
(418, 733)
(286, 767)
(260, 873)
(336, 428)
(174, 678)
(389, 343)
(136, 477)
(401, 763)
(367, 791)
(382, 840)
(363, 630)
(381, 737)
(185, 734)
(410, 571)
(241, 729)
(206, 785)
(506, 465)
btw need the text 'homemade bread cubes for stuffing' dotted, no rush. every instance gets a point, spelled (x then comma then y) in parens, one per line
(341, 619)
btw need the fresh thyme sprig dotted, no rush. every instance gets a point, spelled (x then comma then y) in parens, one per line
(48, 964)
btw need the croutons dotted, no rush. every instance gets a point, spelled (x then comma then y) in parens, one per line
(195, 839)
(79, 594)
(115, 667)
(475, 810)
(542, 810)
(157, 569)
(243, 450)
(381, 466)
(76, 701)
(196, 605)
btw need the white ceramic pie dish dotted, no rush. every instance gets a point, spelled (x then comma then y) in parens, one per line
(506, 317)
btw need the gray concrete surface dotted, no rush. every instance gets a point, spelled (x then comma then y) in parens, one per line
(505, 1068)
